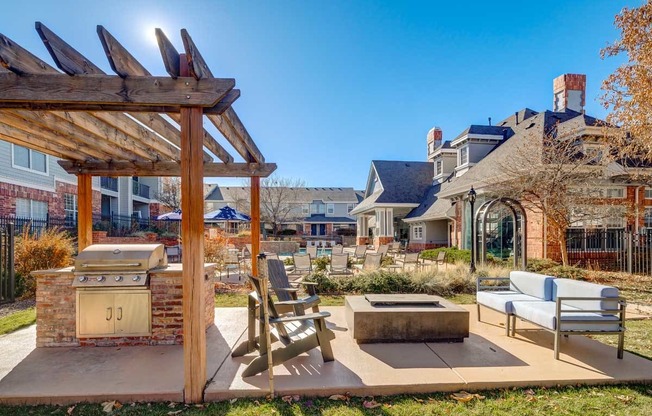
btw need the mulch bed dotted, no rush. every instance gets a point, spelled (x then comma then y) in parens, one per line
(17, 306)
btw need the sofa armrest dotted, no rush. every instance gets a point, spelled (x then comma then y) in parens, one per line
(621, 302)
(500, 283)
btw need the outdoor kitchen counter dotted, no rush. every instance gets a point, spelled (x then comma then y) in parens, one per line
(56, 309)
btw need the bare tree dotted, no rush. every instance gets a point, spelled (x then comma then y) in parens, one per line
(279, 200)
(558, 177)
(169, 194)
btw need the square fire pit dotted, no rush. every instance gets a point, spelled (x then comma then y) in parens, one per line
(405, 318)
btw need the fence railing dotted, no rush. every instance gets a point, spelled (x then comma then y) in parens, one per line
(611, 249)
(140, 189)
(109, 183)
(7, 273)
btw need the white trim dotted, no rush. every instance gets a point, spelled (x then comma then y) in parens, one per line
(478, 137)
(37, 172)
(28, 185)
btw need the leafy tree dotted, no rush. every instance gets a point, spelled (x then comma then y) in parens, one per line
(628, 91)
(169, 193)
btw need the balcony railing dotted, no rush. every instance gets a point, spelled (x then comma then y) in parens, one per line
(140, 189)
(109, 183)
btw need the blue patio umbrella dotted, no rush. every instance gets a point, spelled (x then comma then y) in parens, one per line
(227, 214)
(170, 216)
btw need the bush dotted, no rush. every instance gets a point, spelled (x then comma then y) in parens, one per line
(320, 263)
(288, 231)
(539, 265)
(453, 254)
(325, 284)
(51, 249)
(567, 272)
(289, 261)
(215, 249)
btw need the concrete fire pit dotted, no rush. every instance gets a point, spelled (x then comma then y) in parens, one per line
(405, 318)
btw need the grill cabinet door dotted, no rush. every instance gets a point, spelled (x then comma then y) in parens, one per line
(95, 314)
(133, 313)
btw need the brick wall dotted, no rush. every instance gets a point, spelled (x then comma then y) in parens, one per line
(9, 193)
(424, 246)
(56, 309)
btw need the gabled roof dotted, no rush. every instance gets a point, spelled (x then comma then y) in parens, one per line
(432, 207)
(298, 195)
(403, 182)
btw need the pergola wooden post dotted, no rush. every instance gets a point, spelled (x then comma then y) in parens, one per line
(84, 211)
(112, 125)
(192, 230)
(255, 224)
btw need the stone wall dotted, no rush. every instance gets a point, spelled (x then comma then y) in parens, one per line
(56, 309)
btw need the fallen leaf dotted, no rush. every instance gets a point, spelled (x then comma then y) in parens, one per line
(462, 396)
(338, 397)
(172, 405)
(625, 399)
(174, 413)
(418, 400)
(371, 404)
(530, 399)
(287, 399)
(529, 392)
(117, 405)
(70, 410)
(107, 407)
(233, 400)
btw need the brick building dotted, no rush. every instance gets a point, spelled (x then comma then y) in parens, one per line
(474, 158)
(34, 186)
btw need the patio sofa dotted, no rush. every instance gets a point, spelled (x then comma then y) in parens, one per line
(581, 307)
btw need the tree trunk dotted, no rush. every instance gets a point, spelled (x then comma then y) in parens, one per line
(562, 248)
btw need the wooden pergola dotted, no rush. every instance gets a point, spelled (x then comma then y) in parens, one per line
(113, 125)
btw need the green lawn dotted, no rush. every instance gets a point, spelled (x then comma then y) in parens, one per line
(608, 400)
(17, 320)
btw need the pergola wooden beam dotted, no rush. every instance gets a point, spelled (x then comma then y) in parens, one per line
(72, 62)
(236, 133)
(125, 65)
(170, 110)
(144, 168)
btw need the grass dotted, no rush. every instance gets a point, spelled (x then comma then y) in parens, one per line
(606, 400)
(17, 320)
(637, 338)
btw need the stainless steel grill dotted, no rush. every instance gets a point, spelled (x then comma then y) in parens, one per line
(117, 265)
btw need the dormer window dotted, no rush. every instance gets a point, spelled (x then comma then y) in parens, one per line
(439, 167)
(464, 155)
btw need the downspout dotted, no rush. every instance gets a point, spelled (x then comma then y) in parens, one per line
(454, 231)
(636, 223)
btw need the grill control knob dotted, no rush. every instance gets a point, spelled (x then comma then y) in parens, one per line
(83, 279)
(135, 278)
(101, 278)
(118, 278)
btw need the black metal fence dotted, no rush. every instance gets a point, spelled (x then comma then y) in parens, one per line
(614, 249)
(7, 273)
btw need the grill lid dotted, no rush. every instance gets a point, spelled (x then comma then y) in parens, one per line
(120, 257)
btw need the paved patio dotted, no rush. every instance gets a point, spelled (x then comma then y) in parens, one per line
(487, 359)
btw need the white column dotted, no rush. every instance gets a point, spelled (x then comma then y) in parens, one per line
(360, 224)
(390, 222)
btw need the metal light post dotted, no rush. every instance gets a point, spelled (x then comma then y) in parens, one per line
(471, 196)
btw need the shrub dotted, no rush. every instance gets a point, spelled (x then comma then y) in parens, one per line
(567, 272)
(387, 261)
(453, 254)
(52, 248)
(325, 284)
(320, 263)
(288, 231)
(215, 249)
(539, 265)
(289, 261)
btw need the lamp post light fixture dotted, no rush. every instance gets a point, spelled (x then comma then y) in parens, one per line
(471, 196)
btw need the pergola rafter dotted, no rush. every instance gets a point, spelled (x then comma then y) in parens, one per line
(114, 125)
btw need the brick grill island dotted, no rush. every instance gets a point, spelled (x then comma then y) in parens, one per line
(56, 309)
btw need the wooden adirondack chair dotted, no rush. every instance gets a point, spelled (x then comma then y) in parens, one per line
(286, 291)
(298, 333)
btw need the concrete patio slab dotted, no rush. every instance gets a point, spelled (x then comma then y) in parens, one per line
(487, 359)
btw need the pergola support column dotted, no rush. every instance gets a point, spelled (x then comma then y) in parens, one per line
(84, 211)
(255, 223)
(192, 230)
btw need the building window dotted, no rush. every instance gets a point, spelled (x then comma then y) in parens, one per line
(349, 208)
(330, 208)
(70, 208)
(25, 158)
(317, 208)
(305, 209)
(27, 208)
(648, 193)
(464, 155)
(615, 193)
(417, 232)
(439, 167)
(648, 217)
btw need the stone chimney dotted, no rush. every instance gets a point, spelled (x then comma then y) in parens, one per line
(569, 91)
(434, 139)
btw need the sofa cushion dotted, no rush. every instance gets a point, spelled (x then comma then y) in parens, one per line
(544, 314)
(502, 300)
(533, 284)
(568, 287)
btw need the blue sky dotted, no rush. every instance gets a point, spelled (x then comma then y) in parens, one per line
(328, 86)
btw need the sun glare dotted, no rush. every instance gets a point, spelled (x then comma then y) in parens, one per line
(150, 32)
